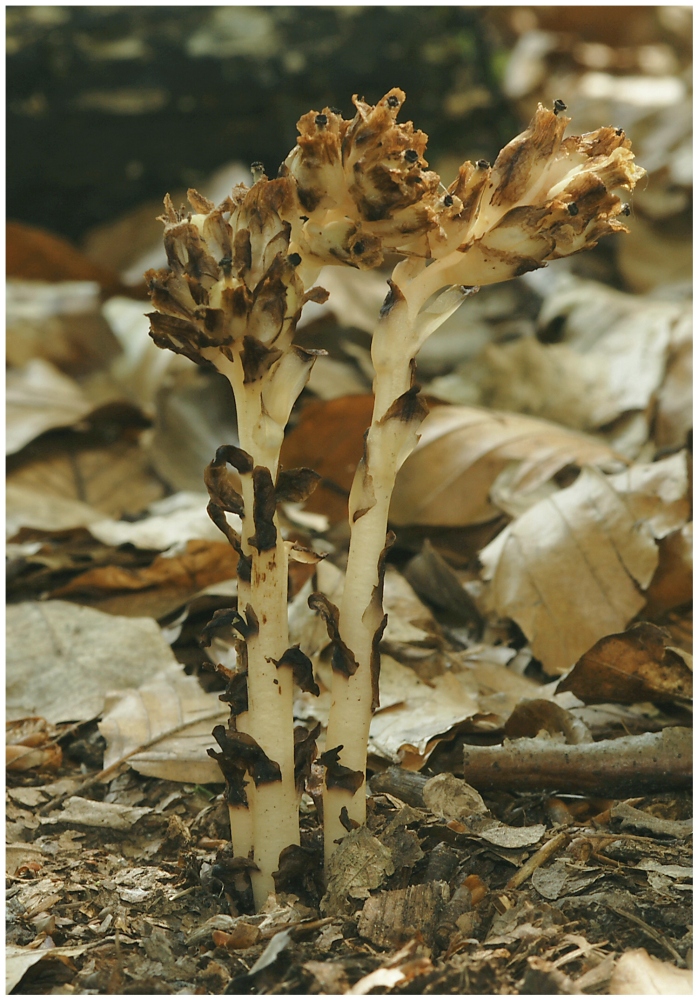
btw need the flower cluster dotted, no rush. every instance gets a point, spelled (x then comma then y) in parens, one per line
(363, 186)
(231, 275)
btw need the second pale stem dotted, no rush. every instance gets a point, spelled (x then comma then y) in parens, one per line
(351, 711)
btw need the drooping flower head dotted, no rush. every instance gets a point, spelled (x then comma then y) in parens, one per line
(544, 198)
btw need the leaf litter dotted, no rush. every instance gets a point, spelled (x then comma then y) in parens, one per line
(529, 820)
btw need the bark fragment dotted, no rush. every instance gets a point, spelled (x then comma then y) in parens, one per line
(392, 918)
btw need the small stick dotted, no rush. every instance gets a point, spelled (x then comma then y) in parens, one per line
(651, 932)
(539, 858)
(109, 772)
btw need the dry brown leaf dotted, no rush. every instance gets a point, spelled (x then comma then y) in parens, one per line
(355, 298)
(448, 478)
(672, 584)
(637, 665)
(32, 508)
(609, 358)
(201, 564)
(30, 743)
(114, 480)
(572, 568)
(39, 398)
(60, 323)
(329, 439)
(19, 960)
(38, 255)
(62, 658)
(675, 400)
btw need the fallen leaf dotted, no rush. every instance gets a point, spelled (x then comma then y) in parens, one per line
(329, 439)
(103, 815)
(360, 862)
(604, 354)
(448, 478)
(60, 323)
(572, 568)
(674, 417)
(638, 819)
(503, 835)
(639, 973)
(331, 378)
(170, 524)
(27, 507)
(19, 960)
(637, 665)
(672, 583)
(38, 399)
(114, 479)
(62, 659)
(452, 798)
(414, 717)
(202, 563)
(355, 298)
(563, 879)
(133, 717)
(39, 255)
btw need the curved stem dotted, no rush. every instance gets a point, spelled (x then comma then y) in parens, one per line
(361, 606)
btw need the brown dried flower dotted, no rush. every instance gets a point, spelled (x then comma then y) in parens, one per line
(230, 277)
(545, 197)
(363, 186)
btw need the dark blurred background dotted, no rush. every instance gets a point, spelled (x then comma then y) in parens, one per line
(110, 107)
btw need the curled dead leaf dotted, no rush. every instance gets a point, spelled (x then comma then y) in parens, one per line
(636, 665)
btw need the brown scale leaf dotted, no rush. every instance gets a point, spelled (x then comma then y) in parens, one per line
(343, 660)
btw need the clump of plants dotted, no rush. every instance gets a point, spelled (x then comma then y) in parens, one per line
(348, 194)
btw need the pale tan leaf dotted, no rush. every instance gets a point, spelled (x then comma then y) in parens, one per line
(63, 658)
(114, 480)
(29, 507)
(640, 974)
(572, 569)
(19, 960)
(448, 478)
(40, 398)
(169, 701)
(609, 358)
